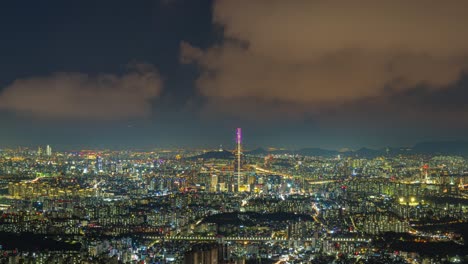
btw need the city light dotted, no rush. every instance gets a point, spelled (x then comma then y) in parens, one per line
(234, 132)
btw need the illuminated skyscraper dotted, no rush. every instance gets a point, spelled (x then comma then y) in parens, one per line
(238, 176)
(99, 166)
(48, 151)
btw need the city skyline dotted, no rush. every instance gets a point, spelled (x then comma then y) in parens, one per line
(236, 206)
(393, 81)
(234, 132)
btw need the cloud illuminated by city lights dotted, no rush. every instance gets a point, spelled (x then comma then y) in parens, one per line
(319, 54)
(72, 95)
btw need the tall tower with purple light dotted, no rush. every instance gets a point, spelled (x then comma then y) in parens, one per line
(238, 163)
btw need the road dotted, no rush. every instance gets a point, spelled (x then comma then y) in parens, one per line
(285, 175)
(157, 239)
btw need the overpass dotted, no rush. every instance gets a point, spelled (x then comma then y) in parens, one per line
(157, 239)
(221, 240)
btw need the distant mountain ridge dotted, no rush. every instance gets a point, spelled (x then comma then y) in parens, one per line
(428, 147)
(316, 152)
(442, 147)
(459, 148)
(224, 154)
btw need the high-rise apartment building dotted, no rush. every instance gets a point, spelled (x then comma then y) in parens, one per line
(48, 151)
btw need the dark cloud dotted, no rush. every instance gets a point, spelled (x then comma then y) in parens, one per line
(451, 98)
(74, 95)
(419, 111)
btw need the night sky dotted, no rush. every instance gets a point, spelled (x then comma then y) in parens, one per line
(186, 73)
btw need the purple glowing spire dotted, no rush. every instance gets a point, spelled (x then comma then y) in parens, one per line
(238, 135)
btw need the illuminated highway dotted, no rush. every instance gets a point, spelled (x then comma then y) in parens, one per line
(157, 239)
